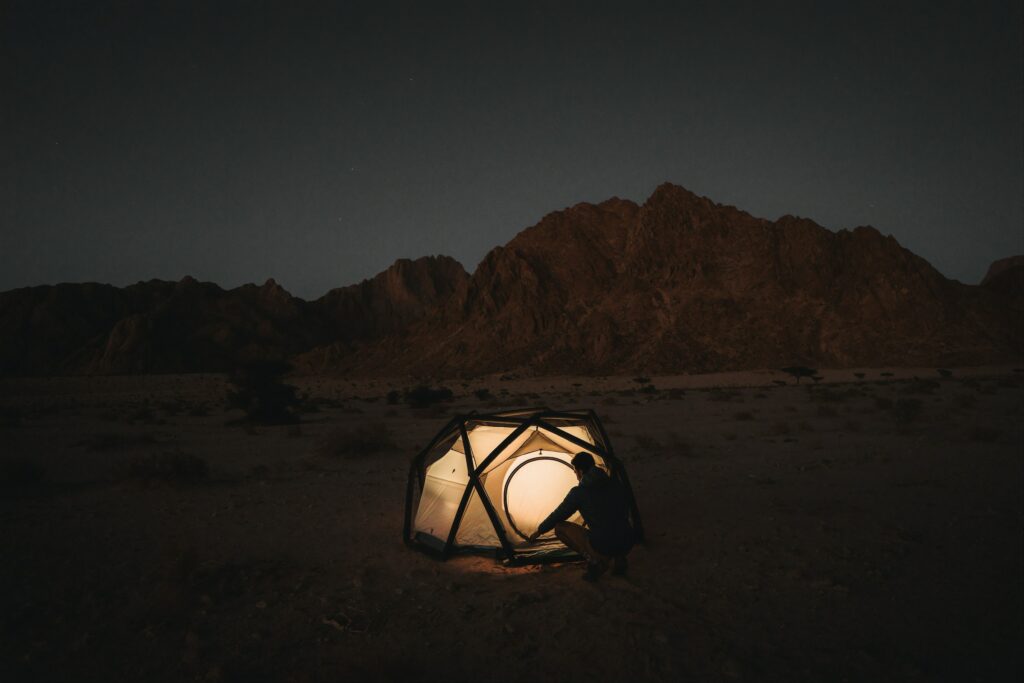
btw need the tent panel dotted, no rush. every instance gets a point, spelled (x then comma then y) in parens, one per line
(438, 505)
(484, 438)
(441, 449)
(452, 467)
(476, 528)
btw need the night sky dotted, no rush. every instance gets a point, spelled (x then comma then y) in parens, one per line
(237, 141)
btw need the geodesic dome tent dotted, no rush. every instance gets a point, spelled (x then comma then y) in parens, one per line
(486, 482)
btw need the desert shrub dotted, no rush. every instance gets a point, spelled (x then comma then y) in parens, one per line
(648, 389)
(885, 374)
(779, 382)
(357, 442)
(641, 379)
(859, 375)
(799, 371)
(853, 426)
(805, 426)
(744, 415)
(483, 394)
(944, 372)
(760, 395)
(424, 396)
(258, 388)
(609, 401)
(171, 467)
(18, 471)
(781, 429)
(394, 397)
(827, 411)
(883, 403)
(906, 410)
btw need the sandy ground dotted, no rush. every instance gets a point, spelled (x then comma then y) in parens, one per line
(862, 528)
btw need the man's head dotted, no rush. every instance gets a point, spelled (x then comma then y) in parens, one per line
(581, 463)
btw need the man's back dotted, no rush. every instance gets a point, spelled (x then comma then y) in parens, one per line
(605, 508)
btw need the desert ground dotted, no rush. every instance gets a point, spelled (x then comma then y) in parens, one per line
(863, 527)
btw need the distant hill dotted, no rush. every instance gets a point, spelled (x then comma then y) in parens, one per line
(678, 284)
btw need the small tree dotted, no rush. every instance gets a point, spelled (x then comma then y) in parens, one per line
(799, 371)
(259, 390)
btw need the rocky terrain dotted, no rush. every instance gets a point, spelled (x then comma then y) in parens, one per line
(865, 527)
(678, 284)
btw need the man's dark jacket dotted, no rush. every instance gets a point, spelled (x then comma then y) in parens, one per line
(605, 509)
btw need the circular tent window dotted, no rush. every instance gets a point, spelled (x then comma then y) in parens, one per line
(534, 486)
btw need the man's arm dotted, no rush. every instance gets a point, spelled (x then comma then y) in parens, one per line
(561, 513)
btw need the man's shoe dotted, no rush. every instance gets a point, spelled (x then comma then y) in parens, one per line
(594, 570)
(619, 565)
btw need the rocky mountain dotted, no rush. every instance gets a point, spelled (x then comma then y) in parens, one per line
(191, 326)
(1005, 277)
(682, 284)
(677, 284)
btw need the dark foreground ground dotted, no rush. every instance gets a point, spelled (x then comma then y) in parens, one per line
(862, 529)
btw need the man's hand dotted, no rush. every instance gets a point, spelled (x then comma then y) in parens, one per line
(532, 537)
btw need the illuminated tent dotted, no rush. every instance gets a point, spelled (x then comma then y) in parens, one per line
(486, 482)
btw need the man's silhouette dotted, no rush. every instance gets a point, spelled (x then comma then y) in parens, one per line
(605, 510)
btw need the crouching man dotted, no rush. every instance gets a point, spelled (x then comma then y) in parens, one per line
(605, 509)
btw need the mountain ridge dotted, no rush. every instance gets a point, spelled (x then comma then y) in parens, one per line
(678, 283)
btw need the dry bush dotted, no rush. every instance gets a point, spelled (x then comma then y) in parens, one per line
(358, 442)
(853, 426)
(743, 415)
(258, 388)
(883, 403)
(827, 411)
(169, 467)
(781, 429)
(483, 394)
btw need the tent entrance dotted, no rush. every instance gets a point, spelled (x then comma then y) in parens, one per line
(534, 485)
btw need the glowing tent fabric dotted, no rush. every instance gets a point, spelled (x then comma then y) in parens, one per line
(486, 482)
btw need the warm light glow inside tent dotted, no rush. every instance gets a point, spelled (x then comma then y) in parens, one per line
(487, 481)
